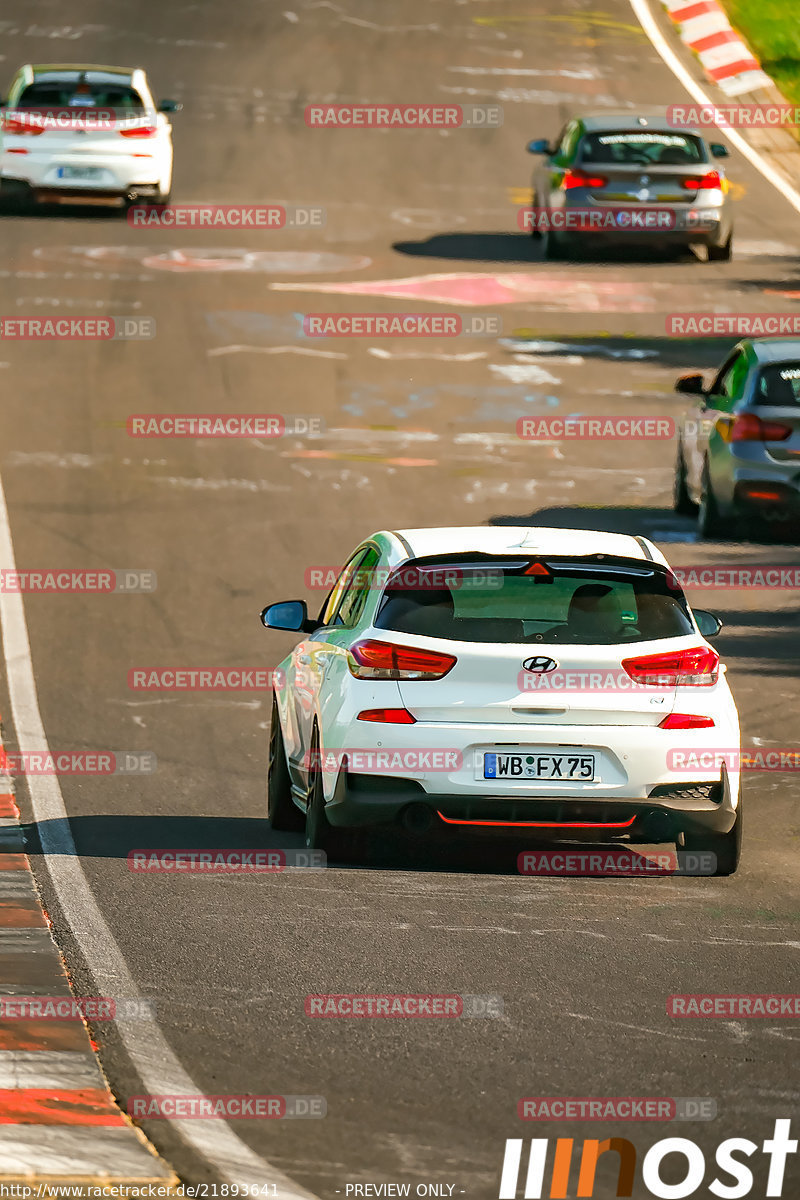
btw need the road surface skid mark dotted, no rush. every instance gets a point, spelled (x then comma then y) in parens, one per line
(59, 1122)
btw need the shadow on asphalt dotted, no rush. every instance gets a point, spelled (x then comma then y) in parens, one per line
(522, 248)
(647, 522)
(116, 836)
(704, 354)
(106, 212)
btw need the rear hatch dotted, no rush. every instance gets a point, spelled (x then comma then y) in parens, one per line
(79, 114)
(643, 167)
(540, 640)
(491, 685)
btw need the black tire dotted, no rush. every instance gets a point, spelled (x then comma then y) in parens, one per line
(709, 523)
(726, 846)
(281, 809)
(681, 500)
(534, 231)
(320, 834)
(723, 253)
(16, 199)
(553, 246)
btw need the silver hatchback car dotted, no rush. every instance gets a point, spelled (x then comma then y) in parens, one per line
(738, 457)
(631, 180)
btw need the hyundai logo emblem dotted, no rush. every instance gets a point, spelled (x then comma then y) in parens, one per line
(644, 179)
(540, 664)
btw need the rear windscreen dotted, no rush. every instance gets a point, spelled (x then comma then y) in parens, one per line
(61, 94)
(779, 385)
(643, 148)
(555, 602)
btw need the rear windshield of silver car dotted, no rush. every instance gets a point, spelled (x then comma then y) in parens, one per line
(643, 148)
(778, 386)
(543, 600)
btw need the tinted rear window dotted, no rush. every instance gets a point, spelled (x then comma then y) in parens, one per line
(643, 148)
(55, 94)
(779, 385)
(497, 602)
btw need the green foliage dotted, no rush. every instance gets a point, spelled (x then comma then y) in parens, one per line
(772, 29)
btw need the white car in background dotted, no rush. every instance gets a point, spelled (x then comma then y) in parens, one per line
(85, 134)
(559, 675)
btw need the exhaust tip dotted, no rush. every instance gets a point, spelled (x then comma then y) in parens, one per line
(661, 826)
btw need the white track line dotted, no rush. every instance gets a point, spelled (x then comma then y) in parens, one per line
(158, 1068)
(648, 24)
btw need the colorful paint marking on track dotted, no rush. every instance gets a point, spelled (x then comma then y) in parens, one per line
(554, 293)
(58, 1120)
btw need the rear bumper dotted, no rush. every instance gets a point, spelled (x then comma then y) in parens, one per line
(116, 173)
(21, 191)
(666, 811)
(689, 224)
(768, 497)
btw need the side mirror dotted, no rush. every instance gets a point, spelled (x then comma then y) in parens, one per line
(718, 150)
(708, 624)
(691, 385)
(170, 106)
(540, 146)
(289, 614)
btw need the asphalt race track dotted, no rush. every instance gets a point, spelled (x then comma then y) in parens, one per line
(416, 431)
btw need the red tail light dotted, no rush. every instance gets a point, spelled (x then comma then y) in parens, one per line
(139, 131)
(747, 427)
(686, 721)
(383, 660)
(760, 494)
(17, 125)
(581, 179)
(697, 667)
(387, 716)
(699, 183)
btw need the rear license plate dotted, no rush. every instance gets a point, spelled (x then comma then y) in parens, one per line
(539, 766)
(79, 173)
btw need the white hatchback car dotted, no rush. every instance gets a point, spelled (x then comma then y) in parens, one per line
(85, 134)
(550, 681)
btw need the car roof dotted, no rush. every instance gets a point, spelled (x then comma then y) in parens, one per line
(501, 539)
(613, 122)
(770, 350)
